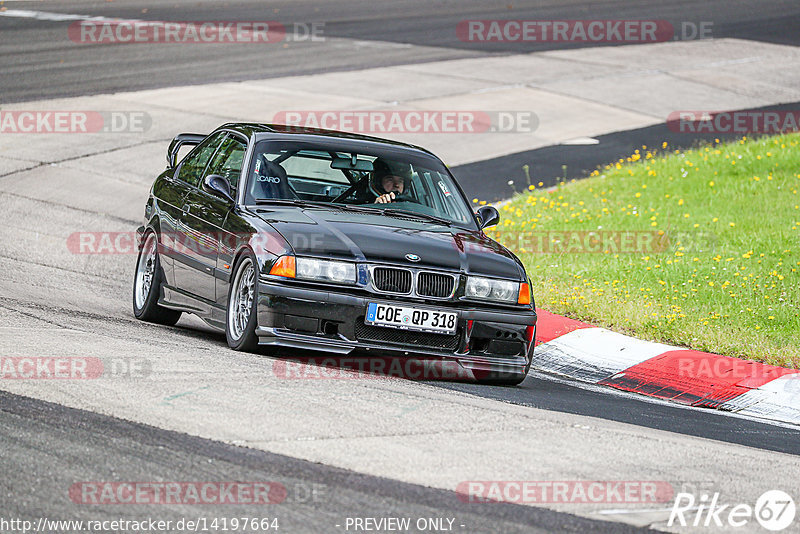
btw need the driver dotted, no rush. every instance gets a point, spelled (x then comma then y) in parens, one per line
(388, 183)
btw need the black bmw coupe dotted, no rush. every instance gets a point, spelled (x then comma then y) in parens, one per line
(327, 241)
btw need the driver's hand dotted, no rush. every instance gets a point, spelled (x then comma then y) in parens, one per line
(385, 199)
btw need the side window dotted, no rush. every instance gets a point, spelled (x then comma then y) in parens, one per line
(228, 160)
(193, 166)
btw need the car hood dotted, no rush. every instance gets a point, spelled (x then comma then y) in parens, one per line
(382, 238)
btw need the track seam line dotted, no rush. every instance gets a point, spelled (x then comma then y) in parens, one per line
(74, 208)
(81, 156)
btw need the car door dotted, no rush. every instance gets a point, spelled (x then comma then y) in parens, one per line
(181, 180)
(187, 178)
(203, 219)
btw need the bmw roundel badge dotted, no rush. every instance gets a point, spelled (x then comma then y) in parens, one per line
(412, 257)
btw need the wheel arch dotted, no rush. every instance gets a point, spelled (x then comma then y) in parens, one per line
(241, 251)
(152, 225)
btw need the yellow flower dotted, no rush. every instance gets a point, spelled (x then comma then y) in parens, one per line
(711, 183)
(731, 224)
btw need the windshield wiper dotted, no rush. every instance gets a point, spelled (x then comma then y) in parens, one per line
(392, 211)
(289, 202)
(315, 203)
(353, 208)
(425, 216)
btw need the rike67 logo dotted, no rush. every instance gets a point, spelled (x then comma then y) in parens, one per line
(774, 510)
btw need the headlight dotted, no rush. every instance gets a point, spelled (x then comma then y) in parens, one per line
(339, 272)
(490, 289)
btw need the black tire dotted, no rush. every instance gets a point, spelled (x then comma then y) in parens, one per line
(240, 318)
(148, 272)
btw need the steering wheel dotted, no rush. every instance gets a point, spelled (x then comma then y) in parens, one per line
(404, 197)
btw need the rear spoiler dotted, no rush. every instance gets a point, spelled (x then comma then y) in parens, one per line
(178, 142)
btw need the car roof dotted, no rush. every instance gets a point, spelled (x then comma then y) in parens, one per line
(254, 129)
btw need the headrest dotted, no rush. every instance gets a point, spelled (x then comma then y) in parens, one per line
(270, 172)
(271, 180)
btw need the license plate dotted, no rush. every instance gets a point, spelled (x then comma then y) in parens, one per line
(411, 318)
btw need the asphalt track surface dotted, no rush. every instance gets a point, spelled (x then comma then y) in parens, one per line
(46, 447)
(38, 60)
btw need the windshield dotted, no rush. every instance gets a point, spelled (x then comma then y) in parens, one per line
(345, 174)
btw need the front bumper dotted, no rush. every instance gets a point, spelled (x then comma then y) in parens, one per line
(487, 344)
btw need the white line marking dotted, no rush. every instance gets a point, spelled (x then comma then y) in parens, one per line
(582, 141)
(65, 17)
(726, 62)
(56, 17)
(638, 511)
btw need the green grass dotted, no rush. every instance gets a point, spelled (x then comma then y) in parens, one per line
(719, 265)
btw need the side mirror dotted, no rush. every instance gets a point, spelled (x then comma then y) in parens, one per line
(488, 216)
(219, 186)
